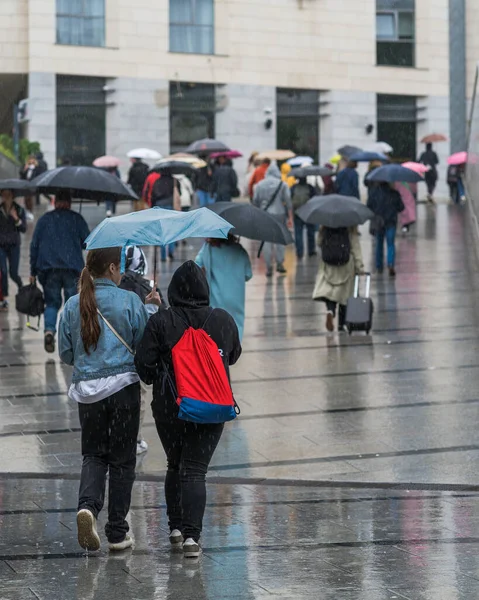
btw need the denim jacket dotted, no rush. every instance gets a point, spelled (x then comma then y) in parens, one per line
(126, 313)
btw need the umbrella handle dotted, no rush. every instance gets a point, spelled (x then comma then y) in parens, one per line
(260, 249)
(155, 263)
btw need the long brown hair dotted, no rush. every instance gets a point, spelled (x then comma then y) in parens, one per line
(97, 264)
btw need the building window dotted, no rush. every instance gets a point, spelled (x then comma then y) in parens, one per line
(192, 26)
(297, 124)
(81, 118)
(192, 113)
(397, 123)
(395, 33)
(81, 22)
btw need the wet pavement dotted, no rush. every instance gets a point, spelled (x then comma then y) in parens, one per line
(350, 473)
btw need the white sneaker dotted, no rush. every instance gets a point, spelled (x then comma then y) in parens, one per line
(29, 215)
(191, 549)
(141, 447)
(119, 546)
(108, 213)
(176, 537)
(88, 537)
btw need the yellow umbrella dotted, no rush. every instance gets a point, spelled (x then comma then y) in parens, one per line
(190, 159)
(334, 160)
(276, 155)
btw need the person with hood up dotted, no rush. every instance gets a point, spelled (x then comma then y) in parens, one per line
(227, 267)
(347, 181)
(189, 446)
(136, 179)
(273, 195)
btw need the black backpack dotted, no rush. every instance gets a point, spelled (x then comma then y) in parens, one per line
(30, 301)
(336, 246)
(134, 282)
(162, 192)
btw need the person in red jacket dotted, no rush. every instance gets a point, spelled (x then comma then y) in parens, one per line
(258, 175)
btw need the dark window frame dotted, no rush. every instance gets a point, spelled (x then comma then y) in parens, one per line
(80, 18)
(193, 24)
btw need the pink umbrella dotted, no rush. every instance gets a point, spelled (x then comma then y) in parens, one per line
(227, 154)
(418, 168)
(459, 158)
(106, 162)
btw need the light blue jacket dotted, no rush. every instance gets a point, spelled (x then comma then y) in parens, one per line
(125, 311)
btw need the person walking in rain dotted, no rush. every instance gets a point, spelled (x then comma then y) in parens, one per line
(136, 179)
(273, 195)
(386, 204)
(13, 222)
(225, 181)
(258, 175)
(227, 267)
(347, 181)
(430, 159)
(301, 192)
(100, 329)
(56, 259)
(341, 261)
(189, 446)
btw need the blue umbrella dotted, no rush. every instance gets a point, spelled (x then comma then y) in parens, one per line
(156, 227)
(368, 156)
(394, 172)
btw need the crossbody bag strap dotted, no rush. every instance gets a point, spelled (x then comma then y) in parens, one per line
(115, 333)
(274, 196)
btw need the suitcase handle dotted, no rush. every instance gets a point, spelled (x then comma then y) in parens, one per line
(368, 285)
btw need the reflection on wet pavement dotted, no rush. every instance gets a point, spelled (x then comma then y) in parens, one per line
(290, 513)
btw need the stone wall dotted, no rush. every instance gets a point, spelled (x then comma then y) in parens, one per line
(42, 126)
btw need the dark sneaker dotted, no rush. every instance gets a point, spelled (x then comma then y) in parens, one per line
(269, 272)
(392, 272)
(280, 269)
(4, 305)
(49, 342)
(176, 537)
(330, 321)
(380, 271)
(191, 549)
(88, 537)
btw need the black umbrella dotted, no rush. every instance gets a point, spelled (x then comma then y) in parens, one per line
(207, 146)
(334, 211)
(311, 171)
(394, 172)
(253, 223)
(19, 187)
(174, 167)
(86, 183)
(347, 150)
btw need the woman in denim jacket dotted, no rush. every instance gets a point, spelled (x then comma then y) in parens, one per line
(99, 330)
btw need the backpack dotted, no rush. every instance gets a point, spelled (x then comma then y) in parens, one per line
(336, 246)
(203, 391)
(30, 301)
(162, 191)
(300, 195)
(134, 282)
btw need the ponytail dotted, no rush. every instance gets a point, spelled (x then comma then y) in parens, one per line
(97, 264)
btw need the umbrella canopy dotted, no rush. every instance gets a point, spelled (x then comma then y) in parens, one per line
(144, 153)
(19, 187)
(190, 159)
(416, 167)
(253, 223)
(346, 151)
(433, 138)
(207, 146)
(300, 161)
(311, 171)
(334, 211)
(276, 155)
(365, 156)
(173, 167)
(394, 172)
(87, 183)
(157, 227)
(107, 162)
(381, 147)
(459, 158)
(227, 154)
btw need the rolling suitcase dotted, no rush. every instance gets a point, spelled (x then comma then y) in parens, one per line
(359, 310)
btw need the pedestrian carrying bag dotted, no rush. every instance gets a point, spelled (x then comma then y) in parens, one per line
(203, 391)
(335, 246)
(115, 332)
(359, 310)
(30, 301)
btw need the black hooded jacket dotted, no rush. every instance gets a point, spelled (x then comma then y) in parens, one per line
(189, 298)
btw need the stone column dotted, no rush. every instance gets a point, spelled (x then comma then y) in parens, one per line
(42, 126)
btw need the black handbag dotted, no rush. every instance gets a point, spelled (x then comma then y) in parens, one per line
(30, 301)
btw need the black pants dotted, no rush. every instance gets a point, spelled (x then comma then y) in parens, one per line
(189, 448)
(109, 430)
(331, 306)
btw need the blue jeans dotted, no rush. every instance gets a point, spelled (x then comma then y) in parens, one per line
(204, 198)
(53, 281)
(390, 234)
(111, 205)
(299, 226)
(461, 192)
(9, 263)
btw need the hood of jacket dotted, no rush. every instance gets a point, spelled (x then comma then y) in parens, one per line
(273, 171)
(189, 287)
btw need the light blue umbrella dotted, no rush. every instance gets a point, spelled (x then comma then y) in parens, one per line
(156, 227)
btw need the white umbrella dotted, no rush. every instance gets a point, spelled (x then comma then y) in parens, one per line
(381, 147)
(144, 153)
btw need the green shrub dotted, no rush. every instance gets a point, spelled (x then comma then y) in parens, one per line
(26, 148)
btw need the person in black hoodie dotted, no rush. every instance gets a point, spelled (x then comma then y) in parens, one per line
(136, 179)
(189, 446)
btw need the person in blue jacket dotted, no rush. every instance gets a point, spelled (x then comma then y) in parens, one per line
(347, 181)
